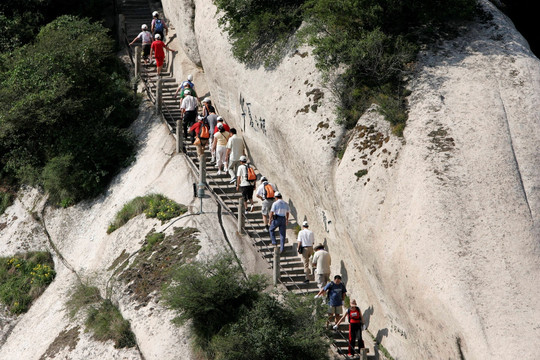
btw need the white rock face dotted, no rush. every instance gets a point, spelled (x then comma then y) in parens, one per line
(436, 234)
(440, 239)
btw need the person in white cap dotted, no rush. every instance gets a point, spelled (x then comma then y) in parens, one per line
(306, 240)
(202, 132)
(209, 112)
(189, 112)
(182, 90)
(235, 149)
(266, 192)
(321, 262)
(219, 146)
(146, 38)
(188, 81)
(245, 183)
(279, 218)
(158, 26)
(356, 325)
(156, 49)
(222, 122)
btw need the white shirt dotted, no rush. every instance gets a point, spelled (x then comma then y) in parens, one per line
(306, 237)
(242, 172)
(323, 261)
(236, 144)
(189, 103)
(260, 189)
(280, 208)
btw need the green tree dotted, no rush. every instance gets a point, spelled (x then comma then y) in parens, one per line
(65, 105)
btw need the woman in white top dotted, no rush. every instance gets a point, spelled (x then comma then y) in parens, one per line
(219, 146)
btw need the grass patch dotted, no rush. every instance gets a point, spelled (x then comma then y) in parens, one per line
(152, 266)
(153, 205)
(102, 318)
(360, 173)
(23, 278)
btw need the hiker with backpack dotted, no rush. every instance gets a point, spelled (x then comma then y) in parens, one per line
(209, 112)
(246, 178)
(305, 247)
(146, 38)
(158, 26)
(335, 291)
(156, 49)
(219, 147)
(202, 132)
(356, 325)
(279, 218)
(189, 82)
(266, 192)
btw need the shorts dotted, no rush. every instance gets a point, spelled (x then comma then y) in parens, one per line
(338, 310)
(266, 206)
(159, 61)
(247, 192)
(146, 50)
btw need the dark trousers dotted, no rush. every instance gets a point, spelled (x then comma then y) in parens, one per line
(355, 331)
(278, 222)
(189, 119)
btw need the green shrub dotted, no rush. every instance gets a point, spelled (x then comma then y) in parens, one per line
(102, 318)
(65, 104)
(23, 278)
(153, 205)
(260, 30)
(6, 199)
(211, 294)
(270, 329)
(106, 323)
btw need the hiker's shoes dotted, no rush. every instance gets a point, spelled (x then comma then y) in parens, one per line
(251, 208)
(233, 180)
(219, 172)
(306, 281)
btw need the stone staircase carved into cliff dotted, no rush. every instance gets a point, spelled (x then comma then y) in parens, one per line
(137, 12)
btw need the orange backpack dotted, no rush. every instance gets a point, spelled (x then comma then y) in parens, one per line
(251, 176)
(268, 191)
(204, 132)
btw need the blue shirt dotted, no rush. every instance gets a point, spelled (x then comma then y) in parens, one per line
(335, 293)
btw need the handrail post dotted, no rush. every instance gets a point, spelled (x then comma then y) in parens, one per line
(137, 61)
(179, 136)
(202, 169)
(159, 92)
(276, 266)
(363, 354)
(241, 220)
